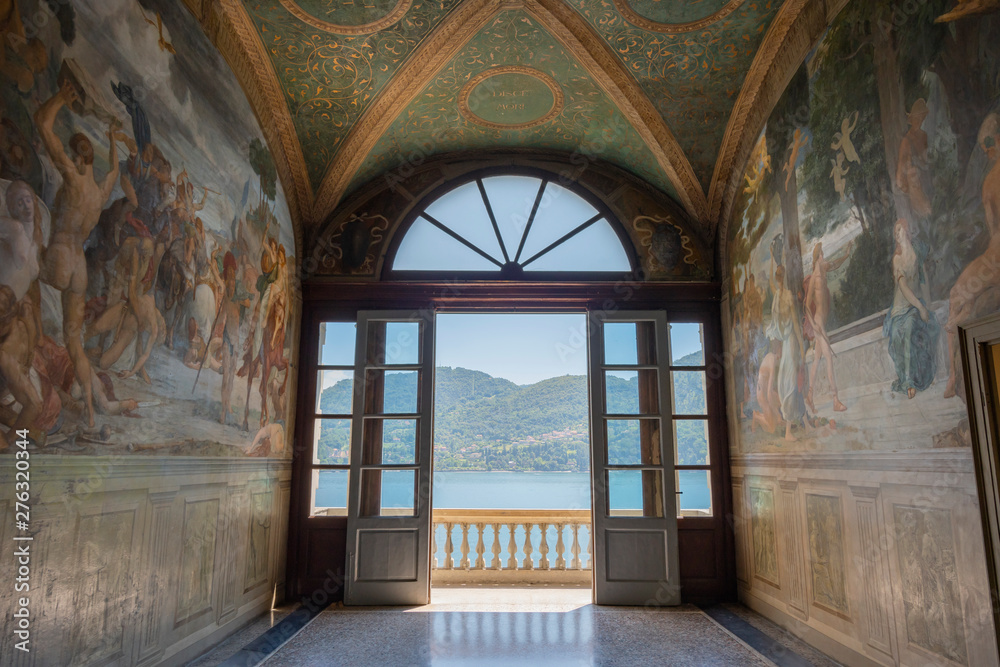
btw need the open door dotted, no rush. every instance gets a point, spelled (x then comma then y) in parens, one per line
(389, 495)
(632, 460)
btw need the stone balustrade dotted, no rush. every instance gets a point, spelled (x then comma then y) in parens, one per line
(483, 546)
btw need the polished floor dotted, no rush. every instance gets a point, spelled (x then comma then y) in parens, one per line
(526, 626)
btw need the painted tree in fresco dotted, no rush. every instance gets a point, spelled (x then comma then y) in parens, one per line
(786, 138)
(263, 166)
(895, 56)
(848, 54)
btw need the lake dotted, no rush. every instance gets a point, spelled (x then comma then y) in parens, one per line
(513, 490)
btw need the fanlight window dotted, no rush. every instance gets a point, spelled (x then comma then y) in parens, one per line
(511, 224)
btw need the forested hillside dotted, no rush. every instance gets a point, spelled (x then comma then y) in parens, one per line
(487, 423)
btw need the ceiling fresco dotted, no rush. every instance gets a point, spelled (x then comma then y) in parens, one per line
(351, 88)
(587, 122)
(693, 77)
(329, 71)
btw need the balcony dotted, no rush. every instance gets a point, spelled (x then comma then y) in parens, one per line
(553, 547)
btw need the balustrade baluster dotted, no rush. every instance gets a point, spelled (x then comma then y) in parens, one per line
(590, 550)
(449, 562)
(480, 547)
(528, 564)
(434, 545)
(543, 548)
(512, 548)
(560, 547)
(465, 546)
(574, 564)
(495, 563)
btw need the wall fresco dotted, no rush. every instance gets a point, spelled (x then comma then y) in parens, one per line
(865, 231)
(147, 254)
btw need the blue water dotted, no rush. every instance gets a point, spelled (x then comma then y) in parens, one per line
(513, 490)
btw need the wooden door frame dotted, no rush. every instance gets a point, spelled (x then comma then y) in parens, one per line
(325, 300)
(980, 378)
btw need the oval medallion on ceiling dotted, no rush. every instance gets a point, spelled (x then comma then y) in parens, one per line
(348, 18)
(510, 98)
(673, 16)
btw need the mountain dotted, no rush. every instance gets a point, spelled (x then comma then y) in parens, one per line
(487, 423)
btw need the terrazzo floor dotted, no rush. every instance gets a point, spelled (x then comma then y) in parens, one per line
(513, 627)
(239, 639)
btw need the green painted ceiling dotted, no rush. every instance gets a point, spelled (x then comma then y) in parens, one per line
(329, 79)
(333, 59)
(694, 77)
(589, 122)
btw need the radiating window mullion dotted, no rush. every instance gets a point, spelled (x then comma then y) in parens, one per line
(531, 219)
(493, 219)
(565, 238)
(458, 237)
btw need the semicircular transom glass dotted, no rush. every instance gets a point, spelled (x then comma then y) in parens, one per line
(511, 224)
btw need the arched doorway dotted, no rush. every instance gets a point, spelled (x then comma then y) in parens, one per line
(382, 553)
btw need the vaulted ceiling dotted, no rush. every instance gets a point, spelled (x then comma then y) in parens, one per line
(351, 90)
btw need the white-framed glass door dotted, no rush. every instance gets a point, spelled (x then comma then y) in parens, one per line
(632, 460)
(389, 493)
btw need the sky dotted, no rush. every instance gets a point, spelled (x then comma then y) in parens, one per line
(523, 348)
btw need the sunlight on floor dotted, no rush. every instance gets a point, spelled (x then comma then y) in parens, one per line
(506, 599)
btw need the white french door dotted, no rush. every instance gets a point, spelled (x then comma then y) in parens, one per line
(389, 491)
(632, 460)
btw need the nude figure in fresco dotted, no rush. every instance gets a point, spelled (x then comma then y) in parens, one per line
(19, 234)
(838, 172)
(913, 176)
(983, 272)
(817, 309)
(121, 317)
(767, 393)
(77, 209)
(842, 140)
(799, 141)
(18, 338)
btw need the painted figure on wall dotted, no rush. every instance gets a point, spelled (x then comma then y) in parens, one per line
(77, 208)
(911, 331)
(107, 249)
(890, 191)
(982, 273)
(784, 328)
(817, 312)
(913, 177)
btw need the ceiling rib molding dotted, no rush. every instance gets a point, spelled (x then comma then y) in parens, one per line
(440, 45)
(396, 13)
(633, 17)
(591, 50)
(794, 31)
(237, 39)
